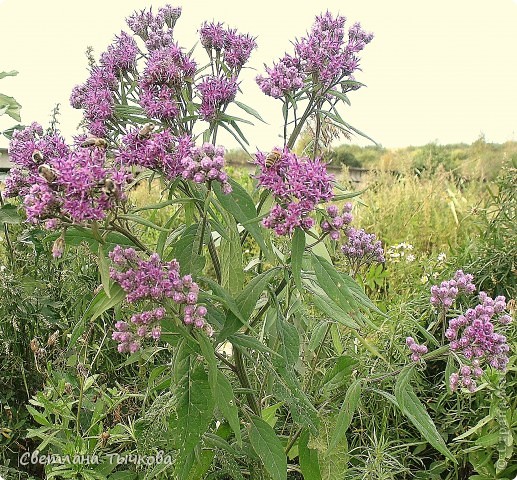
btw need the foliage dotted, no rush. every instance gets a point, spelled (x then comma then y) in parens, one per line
(159, 321)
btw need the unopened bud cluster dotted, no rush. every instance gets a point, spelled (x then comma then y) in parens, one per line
(336, 222)
(205, 164)
(476, 336)
(152, 281)
(416, 350)
(445, 294)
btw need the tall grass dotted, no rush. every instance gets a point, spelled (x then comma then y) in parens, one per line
(431, 212)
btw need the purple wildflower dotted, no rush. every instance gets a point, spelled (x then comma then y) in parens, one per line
(96, 98)
(416, 350)
(170, 14)
(475, 336)
(298, 185)
(213, 35)
(236, 48)
(205, 164)
(443, 295)
(284, 78)
(149, 281)
(216, 93)
(362, 248)
(336, 223)
(166, 72)
(121, 56)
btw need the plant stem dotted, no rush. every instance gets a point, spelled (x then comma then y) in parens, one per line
(10, 249)
(245, 381)
(128, 234)
(264, 308)
(299, 126)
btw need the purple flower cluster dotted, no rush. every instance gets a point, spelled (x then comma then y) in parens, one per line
(466, 376)
(166, 71)
(336, 222)
(284, 78)
(95, 96)
(298, 185)
(474, 336)
(28, 150)
(362, 248)
(326, 56)
(121, 55)
(155, 30)
(284, 220)
(323, 52)
(443, 295)
(416, 350)
(152, 281)
(157, 151)
(205, 164)
(235, 48)
(59, 183)
(146, 326)
(216, 92)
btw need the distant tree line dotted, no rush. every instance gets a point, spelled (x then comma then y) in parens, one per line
(479, 160)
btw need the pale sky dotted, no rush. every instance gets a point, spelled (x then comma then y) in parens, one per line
(441, 70)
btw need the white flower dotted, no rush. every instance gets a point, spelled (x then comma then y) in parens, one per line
(424, 279)
(441, 257)
(410, 258)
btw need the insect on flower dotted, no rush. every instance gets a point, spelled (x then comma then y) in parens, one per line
(47, 172)
(108, 187)
(145, 131)
(95, 142)
(273, 157)
(37, 156)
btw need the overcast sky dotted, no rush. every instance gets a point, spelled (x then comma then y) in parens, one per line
(441, 70)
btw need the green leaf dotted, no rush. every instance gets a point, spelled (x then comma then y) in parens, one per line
(234, 135)
(143, 221)
(297, 249)
(346, 413)
(241, 206)
(246, 302)
(247, 341)
(289, 342)
(323, 303)
(413, 409)
(221, 387)
(100, 304)
(78, 235)
(12, 73)
(9, 214)
(232, 274)
(231, 118)
(249, 110)
(38, 416)
(104, 272)
(340, 95)
(340, 373)
(329, 279)
(186, 250)
(222, 295)
(13, 107)
(269, 448)
(194, 408)
(165, 236)
(309, 463)
(317, 334)
(268, 414)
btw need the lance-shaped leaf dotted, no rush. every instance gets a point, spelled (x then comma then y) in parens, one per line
(413, 409)
(269, 448)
